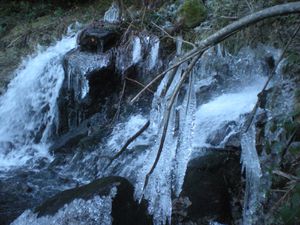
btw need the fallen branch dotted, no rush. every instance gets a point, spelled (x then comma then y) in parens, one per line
(229, 30)
(128, 142)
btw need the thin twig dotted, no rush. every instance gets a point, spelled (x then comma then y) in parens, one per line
(288, 144)
(128, 142)
(139, 83)
(170, 36)
(249, 6)
(230, 17)
(277, 204)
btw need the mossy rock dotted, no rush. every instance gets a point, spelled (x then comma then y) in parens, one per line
(192, 12)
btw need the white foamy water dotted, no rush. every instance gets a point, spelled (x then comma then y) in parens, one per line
(28, 108)
(225, 108)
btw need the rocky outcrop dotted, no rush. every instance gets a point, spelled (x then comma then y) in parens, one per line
(96, 70)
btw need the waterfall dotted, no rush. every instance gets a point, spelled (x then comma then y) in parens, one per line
(220, 89)
(28, 108)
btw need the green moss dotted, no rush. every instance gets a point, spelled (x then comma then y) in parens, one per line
(193, 12)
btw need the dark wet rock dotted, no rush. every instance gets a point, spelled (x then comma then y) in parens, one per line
(125, 210)
(210, 189)
(98, 37)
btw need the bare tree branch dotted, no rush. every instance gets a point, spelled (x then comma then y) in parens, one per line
(139, 83)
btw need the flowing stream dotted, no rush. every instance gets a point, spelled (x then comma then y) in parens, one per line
(28, 117)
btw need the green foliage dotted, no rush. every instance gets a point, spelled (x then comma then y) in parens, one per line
(193, 12)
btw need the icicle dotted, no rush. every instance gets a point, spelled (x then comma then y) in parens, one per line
(154, 53)
(137, 48)
(84, 87)
(251, 166)
(186, 132)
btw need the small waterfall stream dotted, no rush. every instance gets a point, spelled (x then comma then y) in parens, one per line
(28, 116)
(28, 110)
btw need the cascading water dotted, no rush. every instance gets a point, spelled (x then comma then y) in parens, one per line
(28, 108)
(28, 114)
